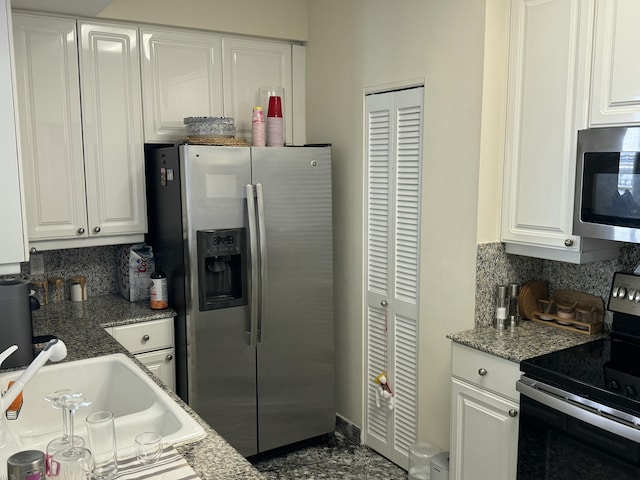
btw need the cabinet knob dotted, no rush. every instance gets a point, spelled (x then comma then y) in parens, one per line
(384, 303)
(169, 358)
(81, 231)
(513, 412)
(482, 372)
(568, 242)
(145, 338)
(97, 229)
(33, 250)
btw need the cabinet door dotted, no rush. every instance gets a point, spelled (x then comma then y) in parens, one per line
(249, 65)
(546, 105)
(182, 77)
(484, 434)
(112, 125)
(616, 70)
(48, 94)
(162, 364)
(12, 241)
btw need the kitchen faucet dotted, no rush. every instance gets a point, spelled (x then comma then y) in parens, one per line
(55, 350)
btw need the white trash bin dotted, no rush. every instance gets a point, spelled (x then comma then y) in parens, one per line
(440, 466)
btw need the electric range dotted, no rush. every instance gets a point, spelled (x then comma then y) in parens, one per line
(580, 407)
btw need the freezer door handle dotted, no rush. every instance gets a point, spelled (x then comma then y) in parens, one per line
(252, 334)
(262, 240)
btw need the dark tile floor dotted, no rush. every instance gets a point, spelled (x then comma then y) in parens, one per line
(331, 457)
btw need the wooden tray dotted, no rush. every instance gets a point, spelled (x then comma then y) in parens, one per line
(582, 300)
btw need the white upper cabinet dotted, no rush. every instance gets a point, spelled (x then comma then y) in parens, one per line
(50, 126)
(615, 96)
(83, 163)
(12, 240)
(182, 77)
(547, 103)
(248, 66)
(191, 74)
(112, 126)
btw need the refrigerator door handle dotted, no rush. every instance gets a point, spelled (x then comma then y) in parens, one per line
(252, 334)
(262, 229)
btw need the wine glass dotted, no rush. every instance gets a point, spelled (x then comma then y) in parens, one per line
(74, 462)
(56, 399)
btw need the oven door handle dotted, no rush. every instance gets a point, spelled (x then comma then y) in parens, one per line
(592, 417)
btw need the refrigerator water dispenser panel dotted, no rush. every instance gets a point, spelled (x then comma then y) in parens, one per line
(222, 268)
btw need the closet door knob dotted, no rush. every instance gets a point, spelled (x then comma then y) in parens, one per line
(384, 303)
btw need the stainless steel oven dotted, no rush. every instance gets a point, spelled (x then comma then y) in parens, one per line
(580, 407)
(607, 187)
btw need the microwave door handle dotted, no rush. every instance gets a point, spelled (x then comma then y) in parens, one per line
(262, 235)
(252, 334)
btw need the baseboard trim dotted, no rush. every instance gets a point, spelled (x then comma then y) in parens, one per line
(351, 431)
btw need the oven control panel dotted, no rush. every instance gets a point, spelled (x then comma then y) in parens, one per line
(625, 294)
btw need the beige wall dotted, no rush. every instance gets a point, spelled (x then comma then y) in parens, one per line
(286, 19)
(362, 44)
(493, 117)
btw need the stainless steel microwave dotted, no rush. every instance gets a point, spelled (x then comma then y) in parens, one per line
(607, 196)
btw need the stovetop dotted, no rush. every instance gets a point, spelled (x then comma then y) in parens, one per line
(606, 370)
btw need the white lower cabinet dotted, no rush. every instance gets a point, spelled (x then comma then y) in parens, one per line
(484, 416)
(152, 344)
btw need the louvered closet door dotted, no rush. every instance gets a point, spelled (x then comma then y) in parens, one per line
(393, 152)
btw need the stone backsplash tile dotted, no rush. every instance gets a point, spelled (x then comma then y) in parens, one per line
(97, 264)
(495, 267)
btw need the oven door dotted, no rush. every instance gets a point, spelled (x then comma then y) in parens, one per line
(562, 436)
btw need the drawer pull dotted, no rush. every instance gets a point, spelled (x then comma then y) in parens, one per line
(169, 358)
(146, 338)
(513, 412)
(482, 372)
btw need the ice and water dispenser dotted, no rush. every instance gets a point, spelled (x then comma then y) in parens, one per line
(222, 268)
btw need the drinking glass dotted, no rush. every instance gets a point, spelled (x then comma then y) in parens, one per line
(57, 401)
(74, 462)
(102, 439)
(148, 447)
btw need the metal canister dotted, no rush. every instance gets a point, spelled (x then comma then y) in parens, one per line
(26, 465)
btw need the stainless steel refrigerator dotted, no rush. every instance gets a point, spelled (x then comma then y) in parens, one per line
(245, 238)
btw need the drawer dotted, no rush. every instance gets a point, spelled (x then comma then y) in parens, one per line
(485, 370)
(145, 336)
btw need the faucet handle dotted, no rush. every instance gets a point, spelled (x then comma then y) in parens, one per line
(7, 353)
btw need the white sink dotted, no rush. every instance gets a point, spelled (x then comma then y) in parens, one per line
(112, 382)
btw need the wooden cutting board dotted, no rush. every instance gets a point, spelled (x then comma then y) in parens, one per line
(529, 295)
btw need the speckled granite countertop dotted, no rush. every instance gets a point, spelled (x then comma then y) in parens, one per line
(528, 340)
(81, 327)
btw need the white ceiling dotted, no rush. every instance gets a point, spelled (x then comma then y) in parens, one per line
(82, 8)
